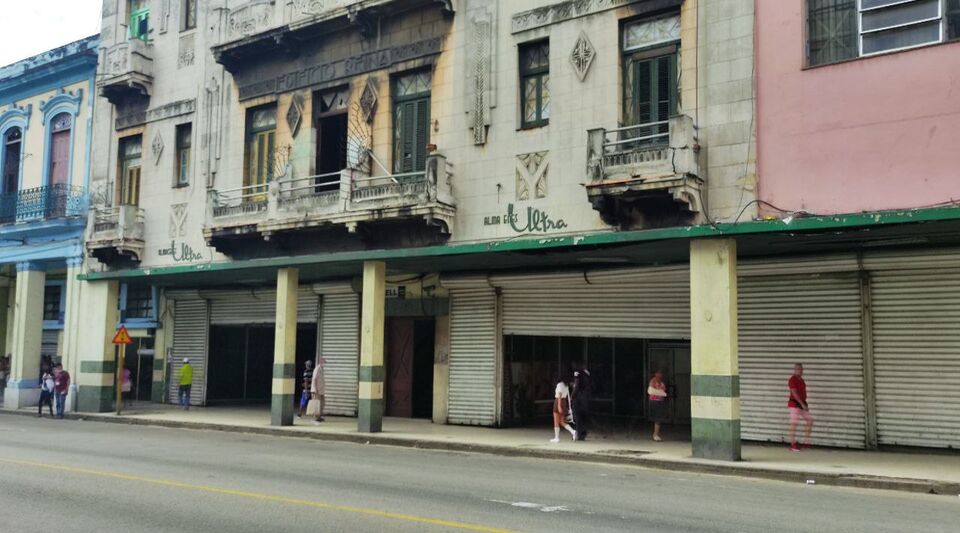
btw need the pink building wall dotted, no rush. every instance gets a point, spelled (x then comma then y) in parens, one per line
(869, 134)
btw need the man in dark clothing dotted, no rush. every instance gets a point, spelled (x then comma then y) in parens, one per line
(61, 384)
(582, 398)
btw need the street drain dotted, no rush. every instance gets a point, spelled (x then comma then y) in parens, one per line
(628, 453)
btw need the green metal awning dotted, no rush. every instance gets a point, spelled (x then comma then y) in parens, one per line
(796, 235)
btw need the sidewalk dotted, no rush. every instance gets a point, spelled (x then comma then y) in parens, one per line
(935, 472)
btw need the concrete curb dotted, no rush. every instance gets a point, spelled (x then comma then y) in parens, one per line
(926, 486)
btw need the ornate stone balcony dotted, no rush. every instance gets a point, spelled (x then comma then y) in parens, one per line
(42, 204)
(345, 199)
(645, 175)
(126, 69)
(116, 234)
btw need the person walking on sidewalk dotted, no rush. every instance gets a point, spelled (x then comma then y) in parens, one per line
(317, 389)
(561, 408)
(46, 393)
(798, 408)
(657, 395)
(306, 384)
(582, 398)
(127, 386)
(61, 384)
(186, 383)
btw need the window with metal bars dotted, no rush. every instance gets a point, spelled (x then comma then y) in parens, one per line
(650, 95)
(139, 302)
(535, 84)
(51, 302)
(838, 30)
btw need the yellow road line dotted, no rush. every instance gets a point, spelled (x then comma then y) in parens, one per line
(262, 497)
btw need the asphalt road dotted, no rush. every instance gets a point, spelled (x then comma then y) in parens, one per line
(75, 476)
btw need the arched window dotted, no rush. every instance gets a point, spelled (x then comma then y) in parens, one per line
(60, 128)
(12, 145)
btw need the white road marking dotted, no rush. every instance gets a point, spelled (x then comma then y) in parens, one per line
(538, 506)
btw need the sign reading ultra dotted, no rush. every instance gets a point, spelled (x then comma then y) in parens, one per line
(534, 221)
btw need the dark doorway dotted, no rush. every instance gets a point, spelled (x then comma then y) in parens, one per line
(241, 362)
(409, 366)
(331, 143)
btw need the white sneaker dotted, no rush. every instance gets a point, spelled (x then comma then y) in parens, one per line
(657, 438)
(574, 435)
(555, 439)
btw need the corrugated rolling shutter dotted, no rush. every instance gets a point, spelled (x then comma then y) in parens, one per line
(473, 353)
(814, 320)
(340, 346)
(256, 307)
(651, 303)
(190, 328)
(50, 343)
(916, 350)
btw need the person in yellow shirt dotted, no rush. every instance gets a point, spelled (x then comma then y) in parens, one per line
(186, 382)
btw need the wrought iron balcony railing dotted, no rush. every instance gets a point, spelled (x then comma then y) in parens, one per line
(42, 203)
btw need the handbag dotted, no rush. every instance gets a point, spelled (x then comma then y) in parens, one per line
(313, 407)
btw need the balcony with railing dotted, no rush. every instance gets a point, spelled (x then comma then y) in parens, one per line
(126, 70)
(652, 167)
(53, 211)
(347, 199)
(115, 234)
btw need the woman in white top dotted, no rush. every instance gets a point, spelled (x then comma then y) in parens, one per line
(657, 396)
(561, 408)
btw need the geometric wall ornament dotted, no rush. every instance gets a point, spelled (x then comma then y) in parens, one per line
(295, 114)
(178, 219)
(582, 55)
(531, 170)
(368, 100)
(157, 147)
(481, 16)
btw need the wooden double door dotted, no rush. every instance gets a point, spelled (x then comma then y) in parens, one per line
(409, 365)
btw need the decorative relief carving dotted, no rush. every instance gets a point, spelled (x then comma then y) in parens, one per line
(295, 114)
(157, 147)
(249, 19)
(582, 56)
(482, 18)
(178, 220)
(532, 171)
(116, 59)
(186, 55)
(368, 100)
(554, 13)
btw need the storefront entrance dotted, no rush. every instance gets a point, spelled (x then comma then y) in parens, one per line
(241, 361)
(409, 354)
(619, 368)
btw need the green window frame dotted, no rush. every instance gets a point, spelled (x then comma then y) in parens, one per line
(184, 132)
(534, 61)
(650, 94)
(260, 147)
(139, 11)
(411, 121)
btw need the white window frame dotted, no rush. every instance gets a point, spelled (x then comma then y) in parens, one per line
(860, 32)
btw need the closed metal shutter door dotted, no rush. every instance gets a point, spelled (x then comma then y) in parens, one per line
(190, 327)
(340, 346)
(651, 303)
(814, 320)
(473, 352)
(917, 356)
(50, 343)
(256, 307)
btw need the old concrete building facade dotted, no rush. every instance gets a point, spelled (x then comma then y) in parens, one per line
(46, 113)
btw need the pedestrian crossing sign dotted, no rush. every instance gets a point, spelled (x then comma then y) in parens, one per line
(122, 336)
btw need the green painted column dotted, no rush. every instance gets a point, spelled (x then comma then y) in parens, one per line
(285, 348)
(372, 374)
(97, 354)
(715, 380)
(22, 386)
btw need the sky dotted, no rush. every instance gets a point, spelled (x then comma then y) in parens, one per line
(28, 27)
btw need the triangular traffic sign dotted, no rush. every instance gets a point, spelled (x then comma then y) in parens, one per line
(122, 336)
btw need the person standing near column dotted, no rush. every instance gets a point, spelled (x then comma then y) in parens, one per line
(561, 407)
(798, 408)
(186, 383)
(61, 384)
(657, 396)
(582, 398)
(306, 383)
(46, 393)
(317, 388)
